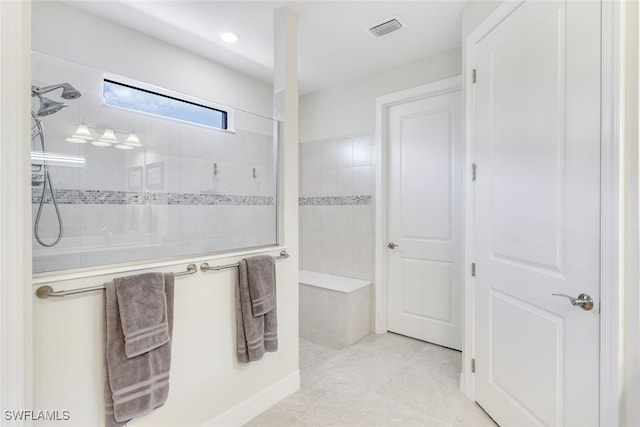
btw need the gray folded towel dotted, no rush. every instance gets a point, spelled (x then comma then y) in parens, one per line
(261, 274)
(134, 386)
(143, 312)
(255, 334)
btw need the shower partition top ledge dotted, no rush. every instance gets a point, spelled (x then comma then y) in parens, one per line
(329, 281)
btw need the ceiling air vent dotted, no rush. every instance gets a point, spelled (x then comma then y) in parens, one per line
(387, 27)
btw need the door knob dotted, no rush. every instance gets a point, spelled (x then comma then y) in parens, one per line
(392, 245)
(583, 300)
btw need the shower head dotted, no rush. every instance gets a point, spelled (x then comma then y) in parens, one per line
(68, 91)
(47, 106)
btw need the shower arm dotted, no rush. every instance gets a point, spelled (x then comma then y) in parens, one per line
(37, 91)
(68, 91)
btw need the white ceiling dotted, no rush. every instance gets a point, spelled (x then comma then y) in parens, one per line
(333, 42)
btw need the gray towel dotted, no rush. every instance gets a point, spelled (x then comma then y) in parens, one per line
(255, 334)
(137, 385)
(261, 274)
(143, 312)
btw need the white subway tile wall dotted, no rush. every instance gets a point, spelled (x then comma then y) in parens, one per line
(336, 206)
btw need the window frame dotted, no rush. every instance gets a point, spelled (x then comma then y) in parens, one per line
(228, 113)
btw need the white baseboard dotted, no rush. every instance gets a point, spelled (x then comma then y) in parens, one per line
(245, 411)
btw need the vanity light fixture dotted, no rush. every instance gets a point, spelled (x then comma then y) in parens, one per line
(83, 134)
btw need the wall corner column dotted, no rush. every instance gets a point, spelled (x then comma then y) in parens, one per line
(285, 110)
(15, 211)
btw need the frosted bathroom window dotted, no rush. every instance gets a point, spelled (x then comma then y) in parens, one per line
(147, 101)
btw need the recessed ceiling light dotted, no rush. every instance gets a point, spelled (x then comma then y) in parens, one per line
(228, 36)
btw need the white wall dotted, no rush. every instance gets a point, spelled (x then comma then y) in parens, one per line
(348, 109)
(338, 166)
(206, 381)
(474, 13)
(62, 30)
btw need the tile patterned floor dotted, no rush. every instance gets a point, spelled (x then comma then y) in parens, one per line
(383, 380)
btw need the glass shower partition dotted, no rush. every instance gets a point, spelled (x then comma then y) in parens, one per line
(134, 186)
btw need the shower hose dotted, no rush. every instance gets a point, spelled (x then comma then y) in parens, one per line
(38, 131)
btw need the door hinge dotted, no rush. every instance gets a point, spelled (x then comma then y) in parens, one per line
(473, 76)
(474, 171)
(473, 366)
(473, 269)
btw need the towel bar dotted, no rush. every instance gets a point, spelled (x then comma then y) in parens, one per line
(47, 291)
(206, 267)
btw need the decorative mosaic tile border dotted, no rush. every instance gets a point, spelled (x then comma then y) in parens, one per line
(109, 197)
(335, 201)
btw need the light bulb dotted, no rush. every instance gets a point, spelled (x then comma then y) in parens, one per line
(81, 135)
(133, 140)
(109, 137)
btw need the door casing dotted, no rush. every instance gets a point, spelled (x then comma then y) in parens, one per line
(425, 252)
(382, 104)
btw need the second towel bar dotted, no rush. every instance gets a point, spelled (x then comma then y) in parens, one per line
(206, 267)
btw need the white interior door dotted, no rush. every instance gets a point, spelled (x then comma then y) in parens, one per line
(424, 271)
(537, 121)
